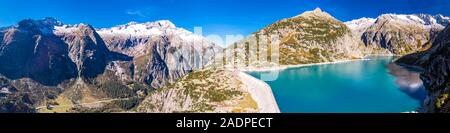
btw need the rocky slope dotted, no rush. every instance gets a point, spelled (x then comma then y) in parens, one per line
(42, 57)
(316, 37)
(213, 90)
(162, 52)
(435, 67)
(359, 26)
(48, 66)
(311, 37)
(398, 34)
(11, 101)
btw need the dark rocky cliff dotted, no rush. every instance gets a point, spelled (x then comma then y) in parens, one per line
(435, 65)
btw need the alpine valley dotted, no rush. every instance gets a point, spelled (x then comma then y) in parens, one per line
(49, 66)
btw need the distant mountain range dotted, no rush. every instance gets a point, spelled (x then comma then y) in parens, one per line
(48, 66)
(162, 51)
(400, 34)
(79, 64)
(316, 36)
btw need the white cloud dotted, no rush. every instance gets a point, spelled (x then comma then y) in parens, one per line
(136, 12)
(142, 12)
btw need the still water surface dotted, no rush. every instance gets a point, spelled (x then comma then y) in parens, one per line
(374, 86)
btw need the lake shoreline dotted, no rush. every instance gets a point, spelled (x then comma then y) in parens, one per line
(261, 92)
(340, 94)
(283, 67)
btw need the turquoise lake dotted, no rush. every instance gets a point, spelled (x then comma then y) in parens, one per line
(364, 86)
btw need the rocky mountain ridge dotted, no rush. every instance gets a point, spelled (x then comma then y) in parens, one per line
(77, 68)
(173, 52)
(316, 37)
(46, 63)
(311, 37)
(435, 68)
(398, 33)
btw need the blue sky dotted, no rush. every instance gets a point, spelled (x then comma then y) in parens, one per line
(220, 17)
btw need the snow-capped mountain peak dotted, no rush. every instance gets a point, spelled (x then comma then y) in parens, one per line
(139, 29)
(164, 23)
(51, 21)
(443, 20)
(160, 24)
(44, 26)
(410, 18)
(67, 29)
(48, 26)
(133, 38)
(148, 30)
(424, 19)
(360, 23)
